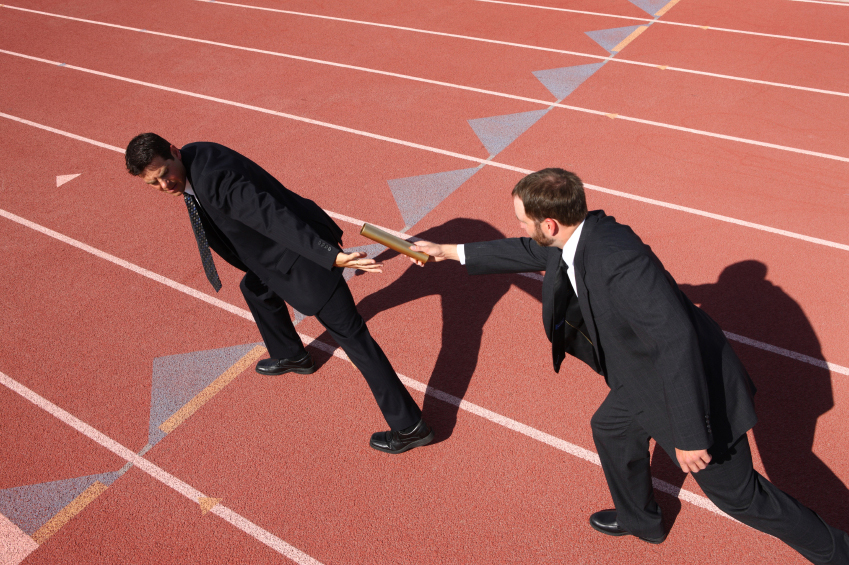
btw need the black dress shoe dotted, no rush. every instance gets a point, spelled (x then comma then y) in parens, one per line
(403, 440)
(303, 366)
(605, 522)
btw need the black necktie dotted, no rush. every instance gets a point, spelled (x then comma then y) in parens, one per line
(562, 286)
(565, 307)
(203, 244)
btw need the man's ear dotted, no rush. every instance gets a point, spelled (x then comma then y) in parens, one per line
(175, 153)
(552, 227)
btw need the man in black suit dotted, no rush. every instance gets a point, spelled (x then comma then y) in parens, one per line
(291, 252)
(608, 301)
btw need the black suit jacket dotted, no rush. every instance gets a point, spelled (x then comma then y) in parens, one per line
(669, 360)
(254, 223)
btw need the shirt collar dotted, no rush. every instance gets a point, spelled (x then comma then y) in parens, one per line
(189, 189)
(571, 247)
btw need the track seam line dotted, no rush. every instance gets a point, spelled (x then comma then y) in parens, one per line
(494, 417)
(158, 473)
(667, 22)
(547, 49)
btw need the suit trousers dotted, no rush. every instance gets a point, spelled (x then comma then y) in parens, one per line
(341, 319)
(729, 481)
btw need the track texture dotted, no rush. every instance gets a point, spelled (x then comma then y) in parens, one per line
(721, 142)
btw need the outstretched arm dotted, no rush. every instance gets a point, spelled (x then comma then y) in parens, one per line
(437, 252)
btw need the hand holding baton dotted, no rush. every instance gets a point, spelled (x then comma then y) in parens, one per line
(392, 242)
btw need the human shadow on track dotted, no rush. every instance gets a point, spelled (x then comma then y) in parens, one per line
(467, 302)
(791, 394)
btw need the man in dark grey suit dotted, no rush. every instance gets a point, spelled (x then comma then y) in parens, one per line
(608, 301)
(291, 252)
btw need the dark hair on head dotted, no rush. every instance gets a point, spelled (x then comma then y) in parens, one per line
(555, 194)
(143, 149)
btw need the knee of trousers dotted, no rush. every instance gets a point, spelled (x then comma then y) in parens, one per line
(737, 500)
(603, 429)
(355, 329)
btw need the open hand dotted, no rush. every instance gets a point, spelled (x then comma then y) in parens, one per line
(357, 260)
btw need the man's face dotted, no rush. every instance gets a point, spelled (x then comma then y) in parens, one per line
(167, 175)
(529, 226)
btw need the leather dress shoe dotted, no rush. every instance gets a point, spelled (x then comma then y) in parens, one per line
(605, 522)
(303, 366)
(403, 440)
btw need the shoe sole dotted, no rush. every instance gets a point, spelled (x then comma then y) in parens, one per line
(654, 541)
(307, 371)
(418, 443)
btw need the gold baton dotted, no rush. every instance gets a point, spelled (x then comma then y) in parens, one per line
(392, 242)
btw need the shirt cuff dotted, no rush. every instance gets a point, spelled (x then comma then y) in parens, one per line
(461, 253)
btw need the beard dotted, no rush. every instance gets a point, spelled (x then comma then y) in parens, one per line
(540, 237)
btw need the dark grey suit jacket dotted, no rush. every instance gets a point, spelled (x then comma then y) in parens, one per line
(288, 241)
(667, 358)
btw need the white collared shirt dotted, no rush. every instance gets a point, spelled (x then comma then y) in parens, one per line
(569, 250)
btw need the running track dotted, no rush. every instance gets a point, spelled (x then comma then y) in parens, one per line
(133, 427)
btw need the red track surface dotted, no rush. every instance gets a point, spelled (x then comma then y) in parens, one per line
(290, 454)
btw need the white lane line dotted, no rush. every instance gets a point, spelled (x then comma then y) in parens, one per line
(833, 3)
(626, 195)
(667, 22)
(417, 145)
(787, 353)
(158, 473)
(494, 417)
(545, 103)
(538, 48)
(247, 315)
(431, 81)
(127, 265)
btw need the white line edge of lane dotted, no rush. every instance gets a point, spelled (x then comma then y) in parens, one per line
(431, 81)
(833, 3)
(667, 22)
(418, 145)
(407, 77)
(533, 433)
(130, 266)
(247, 315)
(494, 417)
(533, 47)
(158, 473)
(489, 162)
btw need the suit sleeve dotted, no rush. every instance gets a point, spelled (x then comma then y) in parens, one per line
(516, 255)
(645, 296)
(244, 202)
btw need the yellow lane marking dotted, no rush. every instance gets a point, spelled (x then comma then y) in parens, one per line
(214, 388)
(662, 67)
(665, 8)
(611, 116)
(629, 39)
(63, 516)
(705, 27)
(207, 504)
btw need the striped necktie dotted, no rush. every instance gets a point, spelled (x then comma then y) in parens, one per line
(203, 244)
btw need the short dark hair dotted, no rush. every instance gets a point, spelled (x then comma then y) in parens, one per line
(144, 148)
(555, 194)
